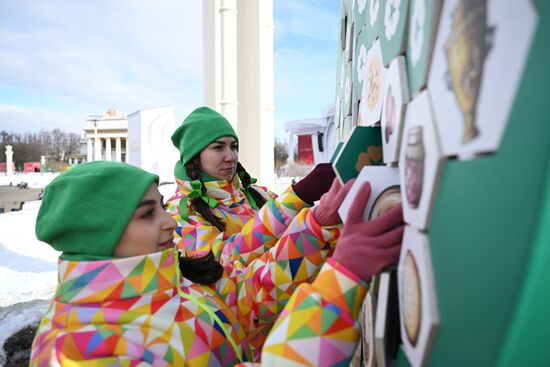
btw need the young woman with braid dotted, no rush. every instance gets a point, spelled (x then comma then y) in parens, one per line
(217, 205)
(222, 217)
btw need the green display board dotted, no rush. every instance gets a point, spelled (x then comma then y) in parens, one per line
(490, 236)
(489, 241)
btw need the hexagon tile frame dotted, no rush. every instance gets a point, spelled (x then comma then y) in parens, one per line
(395, 99)
(391, 30)
(419, 314)
(471, 56)
(367, 329)
(423, 20)
(420, 162)
(373, 86)
(360, 62)
(373, 18)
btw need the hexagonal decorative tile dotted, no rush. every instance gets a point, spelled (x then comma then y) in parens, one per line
(367, 330)
(395, 98)
(423, 18)
(392, 28)
(360, 62)
(374, 17)
(478, 61)
(420, 162)
(419, 315)
(373, 84)
(385, 191)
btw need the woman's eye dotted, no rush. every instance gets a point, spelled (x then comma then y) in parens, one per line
(235, 148)
(149, 213)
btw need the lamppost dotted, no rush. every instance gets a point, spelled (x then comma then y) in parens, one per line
(97, 146)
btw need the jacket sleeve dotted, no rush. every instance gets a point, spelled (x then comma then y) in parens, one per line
(259, 234)
(264, 286)
(318, 326)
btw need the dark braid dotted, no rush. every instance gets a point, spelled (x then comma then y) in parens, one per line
(245, 180)
(192, 170)
(203, 270)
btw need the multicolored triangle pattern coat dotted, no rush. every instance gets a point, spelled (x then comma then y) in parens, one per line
(128, 311)
(248, 233)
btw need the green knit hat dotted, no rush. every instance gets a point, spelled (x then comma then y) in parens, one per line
(85, 210)
(200, 128)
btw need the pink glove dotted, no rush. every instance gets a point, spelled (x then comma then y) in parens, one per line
(366, 248)
(326, 213)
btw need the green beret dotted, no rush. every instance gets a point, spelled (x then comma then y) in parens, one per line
(200, 128)
(85, 210)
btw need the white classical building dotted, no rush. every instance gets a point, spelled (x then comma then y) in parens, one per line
(107, 136)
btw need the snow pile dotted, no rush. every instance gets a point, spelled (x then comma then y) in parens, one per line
(28, 267)
(34, 180)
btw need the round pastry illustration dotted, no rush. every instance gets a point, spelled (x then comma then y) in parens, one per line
(387, 199)
(411, 298)
(373, 81)
(390, 114)
(414, 166)
(367, 330)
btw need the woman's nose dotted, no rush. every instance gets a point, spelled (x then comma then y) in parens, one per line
(169, 222)
(230, 155)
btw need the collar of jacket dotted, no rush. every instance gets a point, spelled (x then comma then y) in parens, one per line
(116, 279)
(224, 192)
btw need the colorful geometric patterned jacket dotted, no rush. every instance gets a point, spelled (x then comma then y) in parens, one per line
(318, 326)
(248, 232)
(128, 311)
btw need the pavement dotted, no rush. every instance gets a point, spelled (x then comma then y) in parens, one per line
(13, 197)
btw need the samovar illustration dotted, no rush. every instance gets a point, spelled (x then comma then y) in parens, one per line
(466, 49)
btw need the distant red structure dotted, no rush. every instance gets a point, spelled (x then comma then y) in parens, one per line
(3, 167)
(305, 149)
(31, 167)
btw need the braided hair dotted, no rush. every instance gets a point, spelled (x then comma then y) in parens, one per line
(192, 170)
(204, 270)
(246, 181)
(197, 204)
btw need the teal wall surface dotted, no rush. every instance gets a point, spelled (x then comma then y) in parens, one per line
(490, 236)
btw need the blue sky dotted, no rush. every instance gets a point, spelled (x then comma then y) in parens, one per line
(62, 60)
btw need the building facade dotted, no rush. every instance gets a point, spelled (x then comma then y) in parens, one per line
(107, 136)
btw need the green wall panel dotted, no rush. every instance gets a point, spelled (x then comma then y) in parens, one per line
(484, 233)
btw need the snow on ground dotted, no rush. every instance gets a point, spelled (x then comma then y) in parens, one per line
(28, 267)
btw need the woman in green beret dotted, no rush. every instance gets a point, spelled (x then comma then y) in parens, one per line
(121, 300)
(222, 215)
(216, 196)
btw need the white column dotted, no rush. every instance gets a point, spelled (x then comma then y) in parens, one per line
(9, 160)
(228, 20)
(97, 156)
(255, 88)
(90, 155)
(108, 149)
(118, 150)
(126, 151)
(211, 53)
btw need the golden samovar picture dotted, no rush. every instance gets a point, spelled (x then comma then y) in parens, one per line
(466, 49)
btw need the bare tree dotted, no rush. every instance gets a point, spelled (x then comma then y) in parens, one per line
(281, 155)
(57, 145)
